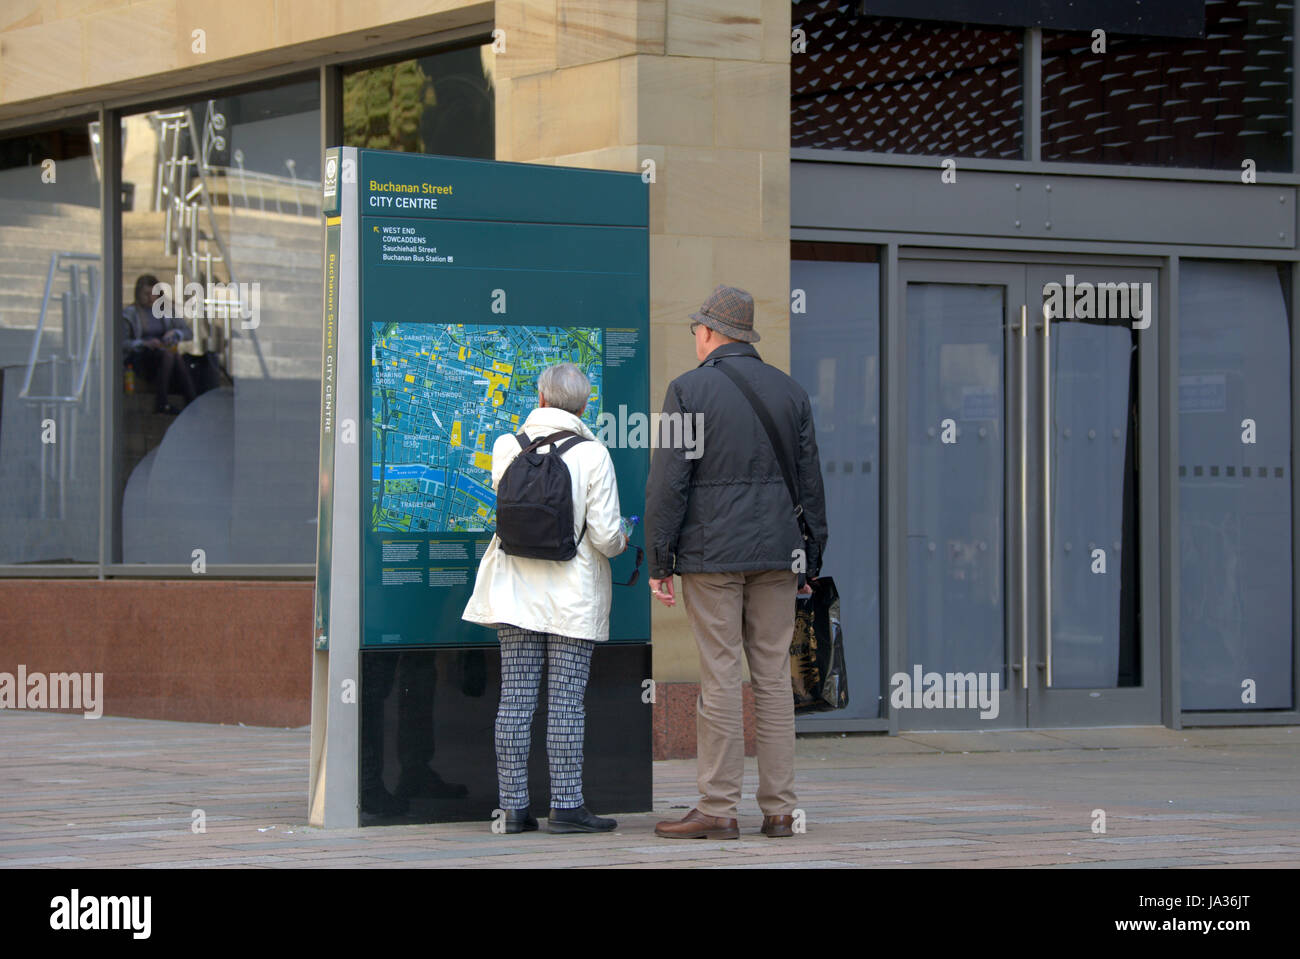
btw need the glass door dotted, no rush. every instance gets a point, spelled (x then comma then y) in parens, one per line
(965, 626)
(1029, 495)
(1092, 458)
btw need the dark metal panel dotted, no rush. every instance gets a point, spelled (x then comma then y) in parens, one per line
(1050, 167)
(1168, 18)
(427, 721)
(1032, 78)
(1038, 206)
(1043, 256)
(817, 726)
(110, 370)
(893, 506)
(1288, 718)
(1170, 673)
(331, 107)
(1022, 249)
(1229, 214)
(1152, 373)
(38, 571)
(1295, 491)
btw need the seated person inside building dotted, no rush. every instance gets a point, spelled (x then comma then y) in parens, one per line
(149, 346)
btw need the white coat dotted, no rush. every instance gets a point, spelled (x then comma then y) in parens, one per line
(569, 598)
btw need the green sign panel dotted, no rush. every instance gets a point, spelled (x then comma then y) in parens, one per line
(474, 277)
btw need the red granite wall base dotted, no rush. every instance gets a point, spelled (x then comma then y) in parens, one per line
(674, 720)
(216, 651)
(190, 650)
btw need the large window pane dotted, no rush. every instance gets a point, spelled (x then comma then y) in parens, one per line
(1234, 479)
(1157, 101)
(49, 347)
(904, 86)
(955, 507)
(835, 356)
(218, 440)
(1096, 626)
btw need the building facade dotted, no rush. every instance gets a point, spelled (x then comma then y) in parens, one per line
(1035, 273)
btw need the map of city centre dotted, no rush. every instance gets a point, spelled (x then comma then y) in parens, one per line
(440, 396)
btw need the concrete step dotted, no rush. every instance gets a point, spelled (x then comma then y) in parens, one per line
(36, 210)
(25, 241)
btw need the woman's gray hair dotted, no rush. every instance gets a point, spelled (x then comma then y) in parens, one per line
(564, 386)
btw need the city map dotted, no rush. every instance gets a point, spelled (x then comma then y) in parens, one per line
(440, 396)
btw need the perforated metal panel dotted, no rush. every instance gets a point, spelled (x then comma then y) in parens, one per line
(900, 86)
(1208, 103)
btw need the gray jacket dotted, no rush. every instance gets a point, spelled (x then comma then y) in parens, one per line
(133, 331)
(729, 509)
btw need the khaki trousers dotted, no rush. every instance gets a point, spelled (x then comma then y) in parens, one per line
(754, 611)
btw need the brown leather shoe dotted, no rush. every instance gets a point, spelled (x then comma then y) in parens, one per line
(777, 827)
(696, 825)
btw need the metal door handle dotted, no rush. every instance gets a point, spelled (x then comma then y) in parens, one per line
(1047, 491)
(1024, 498)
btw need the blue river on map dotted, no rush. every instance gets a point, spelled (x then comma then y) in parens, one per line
(430, 474)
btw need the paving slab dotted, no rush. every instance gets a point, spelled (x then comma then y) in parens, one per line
(122, 793)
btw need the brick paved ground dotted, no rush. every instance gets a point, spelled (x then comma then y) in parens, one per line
(120, 792)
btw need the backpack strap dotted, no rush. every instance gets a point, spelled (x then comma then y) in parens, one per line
(574, 439)
(529, 445)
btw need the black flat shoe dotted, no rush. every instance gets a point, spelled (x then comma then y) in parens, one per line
(519, 820)
(578, 820)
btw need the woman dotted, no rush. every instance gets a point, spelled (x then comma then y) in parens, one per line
(551, 611)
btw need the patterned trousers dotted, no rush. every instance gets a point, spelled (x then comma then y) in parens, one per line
(568, 662)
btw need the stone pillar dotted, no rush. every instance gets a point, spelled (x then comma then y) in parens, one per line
(701, 88)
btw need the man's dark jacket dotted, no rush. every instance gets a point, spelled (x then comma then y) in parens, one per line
(729, 509)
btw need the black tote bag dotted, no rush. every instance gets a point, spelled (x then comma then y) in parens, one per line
(817, 670)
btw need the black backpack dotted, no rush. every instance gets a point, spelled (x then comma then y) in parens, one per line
(535, 501)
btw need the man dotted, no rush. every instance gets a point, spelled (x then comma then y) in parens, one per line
(724, 521)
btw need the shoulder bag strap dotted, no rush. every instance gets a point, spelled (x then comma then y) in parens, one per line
(773, 437)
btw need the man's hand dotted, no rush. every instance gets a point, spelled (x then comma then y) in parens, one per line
(662, 590)
(171, 336)
(153, 343)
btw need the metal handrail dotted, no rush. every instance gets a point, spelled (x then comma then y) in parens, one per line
(199, 168)
(185, 206)
(93, 279)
